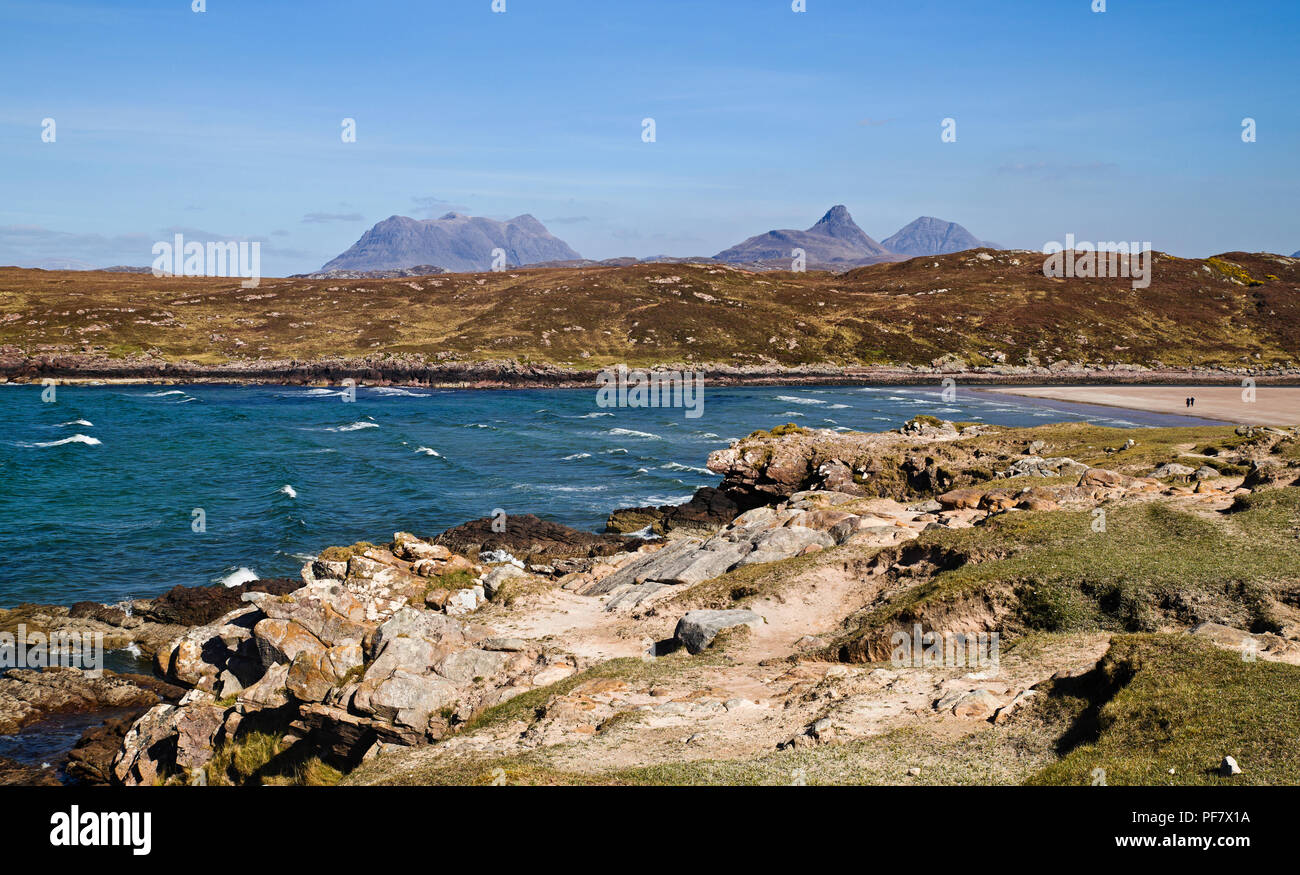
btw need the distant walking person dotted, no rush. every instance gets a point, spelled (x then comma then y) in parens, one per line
(1187, 402)
(1193, 400)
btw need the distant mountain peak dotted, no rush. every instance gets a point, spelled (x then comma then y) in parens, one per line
(456, 242)
(834, 240)
(927, 235)
(836, 215)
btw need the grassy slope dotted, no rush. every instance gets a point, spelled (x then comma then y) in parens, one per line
(1183, 704)
(1195, 313)
(1152, 566)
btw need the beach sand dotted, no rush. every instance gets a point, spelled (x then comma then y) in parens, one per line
(1273, 405)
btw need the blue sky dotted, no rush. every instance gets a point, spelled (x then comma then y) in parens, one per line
(1122, 125)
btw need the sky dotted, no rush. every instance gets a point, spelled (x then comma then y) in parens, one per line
(226, 124)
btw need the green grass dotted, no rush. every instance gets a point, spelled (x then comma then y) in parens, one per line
(260, 756)
(1180, 703)
(343, 554)
(987, 755)
(1152, 565)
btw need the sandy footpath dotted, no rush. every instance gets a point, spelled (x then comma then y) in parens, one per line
(1273, 405)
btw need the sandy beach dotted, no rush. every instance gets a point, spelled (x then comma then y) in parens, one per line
(1272, 405)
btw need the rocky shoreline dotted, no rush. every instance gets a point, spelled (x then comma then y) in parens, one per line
(384, 652)
(17, 367)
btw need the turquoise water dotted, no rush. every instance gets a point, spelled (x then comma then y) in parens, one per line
(98, 489)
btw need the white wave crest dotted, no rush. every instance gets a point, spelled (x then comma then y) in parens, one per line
(677, 466)
(75, 439)
(628, 432)
(241, 575)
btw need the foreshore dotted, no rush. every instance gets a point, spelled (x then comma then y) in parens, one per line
(1266, 405)
(511, 374)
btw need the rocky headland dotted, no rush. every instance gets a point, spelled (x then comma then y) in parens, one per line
(752, 635)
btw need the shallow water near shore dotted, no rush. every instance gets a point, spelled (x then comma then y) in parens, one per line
(99, 491)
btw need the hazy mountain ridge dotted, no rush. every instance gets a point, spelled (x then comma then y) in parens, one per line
(835, 240)
(837, 243)
(454, 242)
(930, 236)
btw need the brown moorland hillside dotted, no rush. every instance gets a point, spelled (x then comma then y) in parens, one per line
(973, 309)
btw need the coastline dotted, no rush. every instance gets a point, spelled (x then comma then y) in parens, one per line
(589, 590)
(511, 374)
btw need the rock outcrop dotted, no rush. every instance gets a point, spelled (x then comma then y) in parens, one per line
(28, 695)
(358, 655)
(708, 509)
(531, 539)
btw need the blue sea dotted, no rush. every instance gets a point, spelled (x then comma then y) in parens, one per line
(101, 490)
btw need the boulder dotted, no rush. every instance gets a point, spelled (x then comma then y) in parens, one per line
(973, 704)
(409, 547)
(961, 499)
(149, 747)
(1102, 478)
(497, 577)
(281, 640)
(820, 520)
(784, 543)
(1036, 466)
(697, 629)
(405, 699)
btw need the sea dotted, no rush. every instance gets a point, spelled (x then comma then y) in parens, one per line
(113, 492)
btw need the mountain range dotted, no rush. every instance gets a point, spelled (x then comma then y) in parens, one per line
(834, 240)
(454, 242)
(461, 243)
